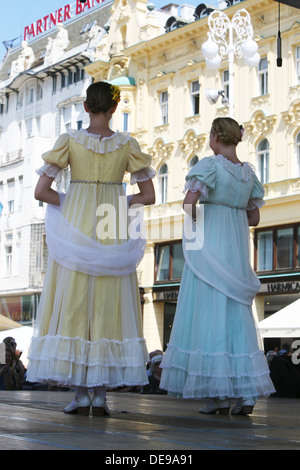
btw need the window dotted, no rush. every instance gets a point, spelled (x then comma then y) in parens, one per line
(263, 76)
(169, 261)
(164, 107)
(193, 161)
(298, 65)
(20, 97)
(29, 96)
(225, 81)
(54, 83)
(11, 195)
(39, 92)
(162, 262)
(265, 251)
(297, 151)
(66, 115)
(8, 260)
(278, 248)
(195, 95)
(263, 160)
(162, 183)
(125, 122)
(63, 80)
(285, 248)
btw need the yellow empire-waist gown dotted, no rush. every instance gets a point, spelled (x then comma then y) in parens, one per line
(88, 330)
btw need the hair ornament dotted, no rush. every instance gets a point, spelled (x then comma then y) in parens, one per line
(115, 93)
(242, 130)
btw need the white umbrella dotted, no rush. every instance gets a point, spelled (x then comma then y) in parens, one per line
(283, 324)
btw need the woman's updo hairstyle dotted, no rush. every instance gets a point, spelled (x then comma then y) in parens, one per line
(101, 96)
(228, 130)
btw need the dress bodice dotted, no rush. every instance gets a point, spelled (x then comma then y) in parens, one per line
(222, 181)
(92, 158)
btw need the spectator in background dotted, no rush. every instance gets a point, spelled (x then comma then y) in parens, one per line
(155, 376)
(9, 378)
(18, 365)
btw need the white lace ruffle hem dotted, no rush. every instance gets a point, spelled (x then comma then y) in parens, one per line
(196, 374)
(78, 362)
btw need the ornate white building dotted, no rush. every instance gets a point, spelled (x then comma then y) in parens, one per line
(42, 88)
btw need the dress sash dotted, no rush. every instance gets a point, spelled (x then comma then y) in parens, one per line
(205, 262)
(71, 248)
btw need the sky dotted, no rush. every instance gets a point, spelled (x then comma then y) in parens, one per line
(17, 14)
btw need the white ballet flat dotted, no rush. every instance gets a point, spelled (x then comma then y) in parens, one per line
(216, 405)
(243, 407)
(99, 406)
(79, 406)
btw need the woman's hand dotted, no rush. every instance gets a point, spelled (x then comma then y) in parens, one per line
(253, 217)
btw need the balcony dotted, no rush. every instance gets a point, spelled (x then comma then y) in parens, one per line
(7, 158)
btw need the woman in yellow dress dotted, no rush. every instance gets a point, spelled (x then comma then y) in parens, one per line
(88, 333)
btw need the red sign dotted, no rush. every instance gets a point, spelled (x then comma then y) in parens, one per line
(59, 16)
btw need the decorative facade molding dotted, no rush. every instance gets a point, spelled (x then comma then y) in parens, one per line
(192, 143)
(260, 124)
(161, 151)
(292, 115)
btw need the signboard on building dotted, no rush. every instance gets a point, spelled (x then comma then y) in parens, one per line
(289, 287)
(61, 15)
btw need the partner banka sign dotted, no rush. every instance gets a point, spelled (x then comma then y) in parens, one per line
(61, 15)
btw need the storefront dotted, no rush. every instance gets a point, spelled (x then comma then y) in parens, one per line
(20, 308)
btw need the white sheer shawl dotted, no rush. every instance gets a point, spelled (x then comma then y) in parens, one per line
(74, 250)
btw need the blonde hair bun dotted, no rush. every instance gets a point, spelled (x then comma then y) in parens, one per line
(228, 130)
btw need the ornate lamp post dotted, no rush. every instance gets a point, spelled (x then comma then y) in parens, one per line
(240, 43)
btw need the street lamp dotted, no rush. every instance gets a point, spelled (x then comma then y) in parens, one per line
(240, 44)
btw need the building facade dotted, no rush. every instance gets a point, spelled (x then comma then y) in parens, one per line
(156, 58)
(42, 89)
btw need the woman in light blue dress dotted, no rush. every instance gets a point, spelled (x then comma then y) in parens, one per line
(215, 351)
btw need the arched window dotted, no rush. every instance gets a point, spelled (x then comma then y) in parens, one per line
(193, 161)
(297, 151)
(162, 183)
(263, 160)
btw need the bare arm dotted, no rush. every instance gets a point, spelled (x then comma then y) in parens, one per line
(253, 217)
(190, 200)
(146, 196)
(44, 192)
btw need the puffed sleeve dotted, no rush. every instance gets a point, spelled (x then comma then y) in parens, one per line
(256, 199)
(201, 177)
(139, 163)
(56, 159)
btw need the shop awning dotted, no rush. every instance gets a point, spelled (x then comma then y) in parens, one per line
(291, 3)
(283, 324)
(7, 324)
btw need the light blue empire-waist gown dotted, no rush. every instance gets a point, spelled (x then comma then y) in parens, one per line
(214, 348)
